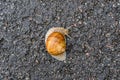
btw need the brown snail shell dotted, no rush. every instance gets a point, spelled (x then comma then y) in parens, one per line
(56, 43)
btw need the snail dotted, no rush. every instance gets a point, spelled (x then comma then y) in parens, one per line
(55, 42)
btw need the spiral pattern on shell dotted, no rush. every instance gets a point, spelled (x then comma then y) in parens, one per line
(55, 43)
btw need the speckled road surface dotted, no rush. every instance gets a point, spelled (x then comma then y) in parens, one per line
(93, 52)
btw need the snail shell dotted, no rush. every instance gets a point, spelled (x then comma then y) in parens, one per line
(56, 43)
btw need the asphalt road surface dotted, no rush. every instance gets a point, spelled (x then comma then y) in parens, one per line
(93, 52)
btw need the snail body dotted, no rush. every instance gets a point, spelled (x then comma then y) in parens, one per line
(56, 43)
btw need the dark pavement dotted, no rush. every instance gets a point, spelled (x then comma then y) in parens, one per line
(93, 53)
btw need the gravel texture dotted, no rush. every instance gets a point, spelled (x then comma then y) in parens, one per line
(93, 52)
